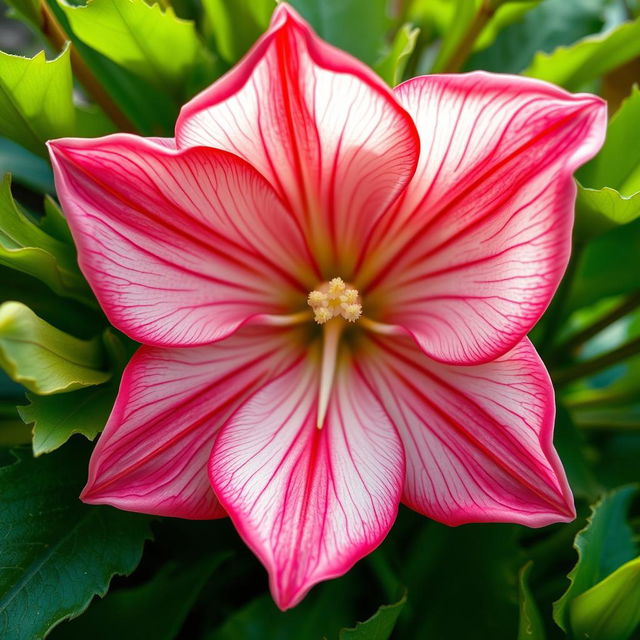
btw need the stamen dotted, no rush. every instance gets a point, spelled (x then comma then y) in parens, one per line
(285, 320)
(332, 332)
(335, 298)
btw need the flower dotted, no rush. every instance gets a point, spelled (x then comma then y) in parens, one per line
(332, 283)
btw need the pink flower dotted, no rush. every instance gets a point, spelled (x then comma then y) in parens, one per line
(332, 283)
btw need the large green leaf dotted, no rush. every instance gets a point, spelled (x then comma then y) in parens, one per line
(35, 99)
(574, 66)
(44, 359)
(155, 610)
(131, 93)
(606, 267)
(379, 626)
(603, 545)
(26, 247)
(610, 610)
(531, 626)
(338, 20)
(143, 38)
(611, 192)
(56, 552)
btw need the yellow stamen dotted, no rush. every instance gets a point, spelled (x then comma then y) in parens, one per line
(335, 298)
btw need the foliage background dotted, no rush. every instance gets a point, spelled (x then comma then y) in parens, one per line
(127, 576)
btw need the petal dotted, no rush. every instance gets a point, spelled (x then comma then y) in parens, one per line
(152, 456)
(477, 439)
(325, 130)
(180, 247)
(309, 502)
(471, 258)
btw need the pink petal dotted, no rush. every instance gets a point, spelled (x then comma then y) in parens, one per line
(323, 128)
(471, 258)
(477, 439)
(180, 247)
(309, 502)
(152, 456)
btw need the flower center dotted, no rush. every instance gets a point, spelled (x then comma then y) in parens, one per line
(335, 298)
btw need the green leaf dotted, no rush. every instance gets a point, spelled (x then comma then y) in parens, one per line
(338, 20)
(574, 66)
(29, 10)
(44, 359)
(610, 610)
(66, 314)
(57, 417)
(379, 626)
(138, 37)
(234, 25)
(26, 247)
(35, 99)
(603, 545)
(569, 442)
(611, 192)
(598, 210)
(56, 552)
(604, 267)
(27, 168)
(531, 626)
(156, 609)
(391, 67)
(550, 24)
(132, 93)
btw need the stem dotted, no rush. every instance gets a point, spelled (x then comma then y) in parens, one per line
(465, 46)
(587, 333)
(583, 369)
(53, 31)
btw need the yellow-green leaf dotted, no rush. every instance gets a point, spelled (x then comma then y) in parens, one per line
(144, 38)
(26, 247)
(571, 67)
(44, 359)
(35, 99)
(610, 610)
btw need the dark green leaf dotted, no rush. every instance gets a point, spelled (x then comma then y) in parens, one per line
(550, 24)
(531, 626)
(603, 545)
(27, 168)
(574, 66)
(604, 267)
(155, 610)
(26, 247)
(379, 626)
(56, 552)
(338, 20)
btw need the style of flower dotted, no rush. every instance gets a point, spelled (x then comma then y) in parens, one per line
(332, 282)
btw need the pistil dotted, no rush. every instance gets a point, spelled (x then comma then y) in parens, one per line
(331, 338)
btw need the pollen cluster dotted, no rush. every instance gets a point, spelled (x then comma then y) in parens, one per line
(335, 298)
